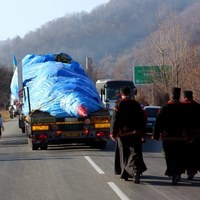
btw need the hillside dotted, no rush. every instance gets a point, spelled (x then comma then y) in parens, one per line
(113, 35)
(109, 30)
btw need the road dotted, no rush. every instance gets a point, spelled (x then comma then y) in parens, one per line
(77, 172)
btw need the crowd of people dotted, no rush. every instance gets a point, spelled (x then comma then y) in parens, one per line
(177, 125)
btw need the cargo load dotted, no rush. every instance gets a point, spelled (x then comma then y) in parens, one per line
(58, 85)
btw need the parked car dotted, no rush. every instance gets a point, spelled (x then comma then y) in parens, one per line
(151, 113)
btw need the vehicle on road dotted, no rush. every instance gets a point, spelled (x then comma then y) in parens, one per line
(151, 113)
(109, 91)
(60, 103)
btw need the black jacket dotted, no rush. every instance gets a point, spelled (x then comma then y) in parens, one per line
(127, 116)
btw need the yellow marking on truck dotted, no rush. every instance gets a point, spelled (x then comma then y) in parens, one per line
(40, 128)
(100, 120)
(106, 125)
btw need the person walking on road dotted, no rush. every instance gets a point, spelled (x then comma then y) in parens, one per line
(192, 111)
(127, 128)
(1, 125)
(169, 128)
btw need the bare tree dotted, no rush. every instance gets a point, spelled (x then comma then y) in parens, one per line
(170, 48)
(5, 79)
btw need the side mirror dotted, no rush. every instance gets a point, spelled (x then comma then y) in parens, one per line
(107, 100)
(135, 91)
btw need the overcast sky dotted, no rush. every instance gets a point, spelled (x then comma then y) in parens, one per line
(18, 17)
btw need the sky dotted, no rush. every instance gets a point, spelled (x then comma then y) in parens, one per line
(18, 17)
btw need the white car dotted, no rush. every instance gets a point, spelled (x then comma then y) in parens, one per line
(151, 112)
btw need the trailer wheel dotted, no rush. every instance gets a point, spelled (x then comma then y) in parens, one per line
(98, 144)
(34, 146)
(23, 130)
(101, 144)
(44, 147)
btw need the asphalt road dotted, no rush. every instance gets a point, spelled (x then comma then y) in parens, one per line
(77, 172)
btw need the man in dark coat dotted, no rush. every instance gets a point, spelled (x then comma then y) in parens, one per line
(192, 122)
(127, 128)
(169, 127)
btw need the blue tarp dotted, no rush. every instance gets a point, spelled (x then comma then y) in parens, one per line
(59, 88)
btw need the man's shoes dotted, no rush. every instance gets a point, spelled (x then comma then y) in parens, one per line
(191, 174)
(190, 177)
(136, 178)
(176, 179)
(124, 179)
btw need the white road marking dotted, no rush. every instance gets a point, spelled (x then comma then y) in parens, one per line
(97, 168)
(116, 189)
(120, 194)
(167, 197)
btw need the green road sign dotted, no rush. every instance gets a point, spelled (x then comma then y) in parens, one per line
(144, 74)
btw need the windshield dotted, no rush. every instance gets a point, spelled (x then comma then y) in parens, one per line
(113, 93)
(152, 112)
(112, 88)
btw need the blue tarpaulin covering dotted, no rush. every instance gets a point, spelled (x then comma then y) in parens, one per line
(58, 85)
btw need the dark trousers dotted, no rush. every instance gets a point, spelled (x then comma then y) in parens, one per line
(175, 156)
(193, 161)
(129, 157)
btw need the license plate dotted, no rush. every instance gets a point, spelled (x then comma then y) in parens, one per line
(71, 134)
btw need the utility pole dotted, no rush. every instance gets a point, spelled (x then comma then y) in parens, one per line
(88, 66)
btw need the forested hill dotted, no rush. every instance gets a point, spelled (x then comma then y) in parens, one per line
(108, 34)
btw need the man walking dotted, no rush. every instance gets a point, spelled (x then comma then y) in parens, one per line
(192, 122)
(127, 128)
(1, 125)
(169, 127)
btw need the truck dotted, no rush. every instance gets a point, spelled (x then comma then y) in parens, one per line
(48, 115)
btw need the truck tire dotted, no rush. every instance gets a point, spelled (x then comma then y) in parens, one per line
(44, 147)
(98, 144)
(21, 125)
(34, 146)
(23, 130)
